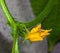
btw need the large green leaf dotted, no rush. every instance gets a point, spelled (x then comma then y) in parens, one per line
(38, 6)
(52, 20)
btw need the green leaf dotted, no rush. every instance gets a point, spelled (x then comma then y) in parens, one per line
(43, 14)
(52, 20)
(38, 6)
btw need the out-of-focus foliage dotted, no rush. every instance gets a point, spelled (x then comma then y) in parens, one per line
(52, 20)
(38, 6)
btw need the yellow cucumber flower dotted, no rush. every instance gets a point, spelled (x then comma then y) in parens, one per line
(37, 34)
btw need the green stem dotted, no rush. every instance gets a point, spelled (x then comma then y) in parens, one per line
(15, 46)
(0, 4)
(51, 46)
(42, 15)
(7, 12)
